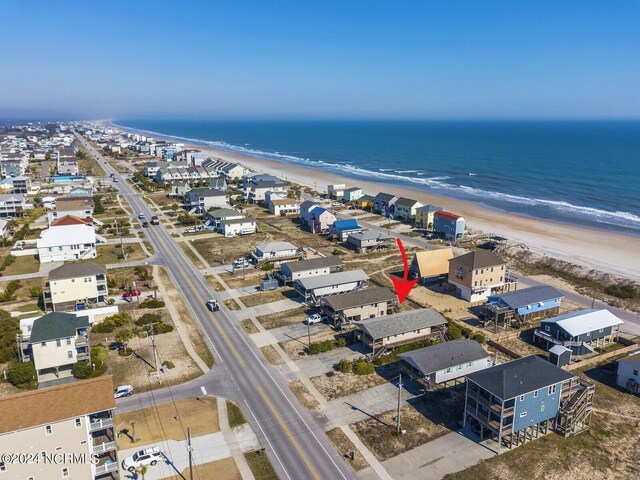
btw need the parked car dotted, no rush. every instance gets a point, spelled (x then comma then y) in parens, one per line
(212, 305)
(241, 262)
(313, 318)
(148, 456)
(131, 293)
(336, 204)
(123, 391)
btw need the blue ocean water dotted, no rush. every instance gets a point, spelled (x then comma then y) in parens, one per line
(582, 172)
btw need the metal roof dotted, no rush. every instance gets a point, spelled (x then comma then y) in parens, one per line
(348, 224)
(312, 264)
(56, 325)
(403, 322)
(444, 355)
(359, 298)
(529, 296)
(584, 321)
(524, 375)
(337, 278)
(77, 269)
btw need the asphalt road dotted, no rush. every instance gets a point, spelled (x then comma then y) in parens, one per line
(295, 443)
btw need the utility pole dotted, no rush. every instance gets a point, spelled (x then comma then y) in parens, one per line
(124, 255)
(189, 449)
(399, 398)
(156, 360)
(309, 333)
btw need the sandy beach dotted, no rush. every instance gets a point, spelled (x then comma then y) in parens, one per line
(609, 252)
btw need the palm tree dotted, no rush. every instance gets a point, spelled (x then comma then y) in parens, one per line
(142, 470)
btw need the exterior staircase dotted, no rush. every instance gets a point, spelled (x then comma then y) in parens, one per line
(575, 413)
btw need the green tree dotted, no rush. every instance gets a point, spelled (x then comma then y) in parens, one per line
(22, 374)
(123, 336)
(453, 331)
(9, 328)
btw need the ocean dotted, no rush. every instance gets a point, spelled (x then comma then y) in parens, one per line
(579, 172)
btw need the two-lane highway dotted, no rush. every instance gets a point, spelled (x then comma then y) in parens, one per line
(296, 444)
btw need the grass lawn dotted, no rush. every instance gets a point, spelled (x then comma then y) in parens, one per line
(280, 319)
(264, 297)
(22, 265)
(108, 254)
(224, 469)
(153, 423)
(236, 418)
(260, 465)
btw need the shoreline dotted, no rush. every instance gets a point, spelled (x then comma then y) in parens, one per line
(610, 252)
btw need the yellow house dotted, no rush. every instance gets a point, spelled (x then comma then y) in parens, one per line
(424, 216)
(364, 202)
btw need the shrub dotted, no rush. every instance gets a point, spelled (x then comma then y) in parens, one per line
(625, 291)
(321, 347)
(345, 366)
(22, 374)
(342, 342)
(123, 336)
(267, 267)
(142, 273)
(337, 251)
(8, 260)
(8, 293)
(453, 331)
(480, 338)
(186, 220)
(151, 303)
(162, 328)
(111, 281)
(148, 318)
(363, 368)
(35, 292)
(109, 324)
(9, 328)
(82, 369)
(466, 332)
(168, 364)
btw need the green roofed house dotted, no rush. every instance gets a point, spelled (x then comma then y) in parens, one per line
(56, 342)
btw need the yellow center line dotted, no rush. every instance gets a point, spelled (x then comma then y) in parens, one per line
(215, 321)
(286, 430)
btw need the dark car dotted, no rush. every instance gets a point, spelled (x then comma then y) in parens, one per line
(145, 224)
(213, 306)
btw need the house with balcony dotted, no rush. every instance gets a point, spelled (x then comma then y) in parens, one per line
(76, 286)
(628, 374)
(526, 398)
(56, 342)
(257, 185)
(215, 217)
(81, 207)
(284, 206)
(448, 225)
(444, 363)
(383, 203)
(237, 226)
(581, 331)
(352, 194)
(306, 208)
(199, 200)
(404, 209)
(67, 242)
(391, 331)
(336, 191)
(321, 220)
(430, 266)
(479, 274)
(341, 229)
(424, 216)
(365, 202)
(312, 289)
(275, 252)
(75, 418)
(368, 240)
(523, 306)
(359, 305)
(13, 204)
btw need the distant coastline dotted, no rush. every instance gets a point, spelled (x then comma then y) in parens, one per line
(613, 252)
(480, 184)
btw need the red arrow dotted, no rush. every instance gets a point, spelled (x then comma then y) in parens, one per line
(404, 286)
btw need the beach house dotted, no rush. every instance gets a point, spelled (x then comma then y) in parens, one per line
(305, 211)
(448, 225)
(383, 203)
(523, 306)
(284, 206)
(255, 187)
(76, 206)
(365, 202)
(359, 305)
(581, 331)
(392, 331)
(218, 215)
(445, 363)
(12, 205)
(231, 227)
(199, 200)
(424, 216)
(523, 399)
(404, 209)
(430, 266)
(75, 286)
(628, 375)
(367, 240)
(321, 219)
(341, 229)
(336, 192)
(275, 251)
(67, 240)
(352, 194)
(313, 267)
(313, 288)
(477, 275)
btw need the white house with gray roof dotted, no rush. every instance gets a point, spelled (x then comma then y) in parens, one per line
(313, 267)
(314, 288)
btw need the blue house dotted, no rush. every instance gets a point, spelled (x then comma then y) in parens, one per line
(523, 399)
(448, 225)
(522, 306)
(342, 228)
(580, 331)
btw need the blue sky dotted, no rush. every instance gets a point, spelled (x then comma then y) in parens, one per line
(360, 59)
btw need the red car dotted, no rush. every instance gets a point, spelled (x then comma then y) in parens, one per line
(131, 293)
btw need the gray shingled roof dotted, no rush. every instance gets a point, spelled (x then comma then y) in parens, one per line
(529, 296)
(77, 269)
(337, 278)
(444, 355)
(524, 375)
(56, 325)
(369, 235)
(478, 259)
(313, 263)
(359, 298)
(402, 323)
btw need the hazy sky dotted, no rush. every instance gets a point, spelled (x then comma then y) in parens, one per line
(342, 59)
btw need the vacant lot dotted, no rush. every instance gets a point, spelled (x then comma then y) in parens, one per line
(224, 469)
(109, 254)
(334, 385)
(345, 447)
(280, 319)
(424, 420)
(153, 424)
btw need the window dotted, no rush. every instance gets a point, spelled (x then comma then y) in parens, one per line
(69, 354)
(48, 430)
(470, 364)
(58, 343)
(552, 389)
(460, 367)
(522, 398)
(65, 473)
(601, 330)
(635, 373)
(547, 328)
(447, 370)
(588, 334)
(69, 341)
(43, 344)
(542, 408)
(535, 394)
(523, 414)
